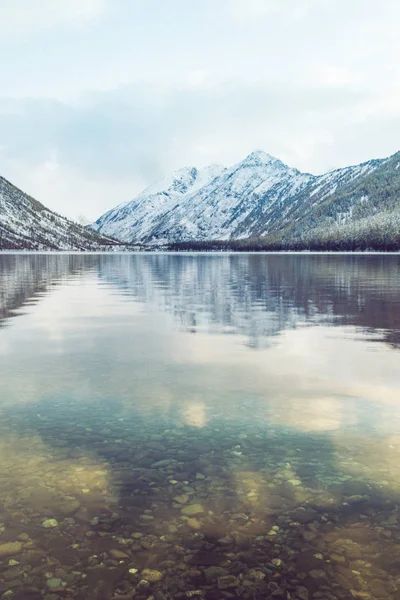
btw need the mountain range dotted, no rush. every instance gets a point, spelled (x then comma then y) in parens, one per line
(261, 198)
(258, 203)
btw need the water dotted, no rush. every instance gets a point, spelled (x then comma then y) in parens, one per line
(207, 426)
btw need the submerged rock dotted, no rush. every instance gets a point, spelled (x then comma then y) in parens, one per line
(54, 583)
(118, 554)
(68, 505)
(213, 573)
(192, 510)
(194, 523)
(49, 523)
(10, 548)
(227, 581)
(182, 499)
(151, 575)
(168, 462)
(302, 592)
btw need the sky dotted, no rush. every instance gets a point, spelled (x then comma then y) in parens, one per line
(100, 98)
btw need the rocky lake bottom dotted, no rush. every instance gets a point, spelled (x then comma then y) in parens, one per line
(133, 472)
(220, 512)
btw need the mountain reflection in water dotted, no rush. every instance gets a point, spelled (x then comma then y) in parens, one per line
(211, 426)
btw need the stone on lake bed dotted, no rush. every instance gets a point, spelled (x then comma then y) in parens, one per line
(49, 523)
(277, 562)
(192, 510)
(68, 505)
(54, 583)
(10, 548)
(151, 575)
(357, 499)
(118, 554)
(319, 576)
(213, 573)
(182, 498)
(227, 581)
(168, 462)
(194, 523)
(302, 592)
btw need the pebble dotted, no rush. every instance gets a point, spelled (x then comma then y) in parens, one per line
(164, 463)
(68, 505)
(277, 562)
(227, 581)
(49, 523)
(213, 573)
(318, 575)
(302, 592)
(54, 583)
(192, 509)
(118, 554)
(182, 499)
(151, 575)
(357, 499)
(10, 548)
(194, 523)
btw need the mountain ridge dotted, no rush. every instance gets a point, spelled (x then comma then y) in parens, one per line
(257, 203)
(27, 224)
(258, 197)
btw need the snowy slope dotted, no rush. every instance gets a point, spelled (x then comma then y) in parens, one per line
(319, 189)
(27, 224)
(256, 196)
(243, 192)
(133, 220)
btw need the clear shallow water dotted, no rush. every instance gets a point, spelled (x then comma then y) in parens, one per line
(211, 426)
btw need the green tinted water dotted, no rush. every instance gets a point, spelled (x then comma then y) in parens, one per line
(210, 426)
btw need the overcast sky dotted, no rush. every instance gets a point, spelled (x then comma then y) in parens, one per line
(99, 98)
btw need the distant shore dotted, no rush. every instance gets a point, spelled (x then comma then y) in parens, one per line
(214, 252)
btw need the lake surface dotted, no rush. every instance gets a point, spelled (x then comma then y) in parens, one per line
(199, 426)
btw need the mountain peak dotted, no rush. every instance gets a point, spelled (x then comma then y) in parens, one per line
(184, 180)
(259, 158)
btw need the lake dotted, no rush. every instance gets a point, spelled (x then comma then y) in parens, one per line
(202, 426)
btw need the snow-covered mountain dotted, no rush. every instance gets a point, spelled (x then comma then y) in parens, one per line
(256, 197)
(26, 224)
(135, 219)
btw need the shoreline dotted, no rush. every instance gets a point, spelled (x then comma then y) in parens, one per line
(213, 252)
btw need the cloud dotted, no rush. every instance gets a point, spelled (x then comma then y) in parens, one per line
(19, 17)
(89, 114)
(67, 189)
(332, 75)
(248, 10)
(89, 156)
